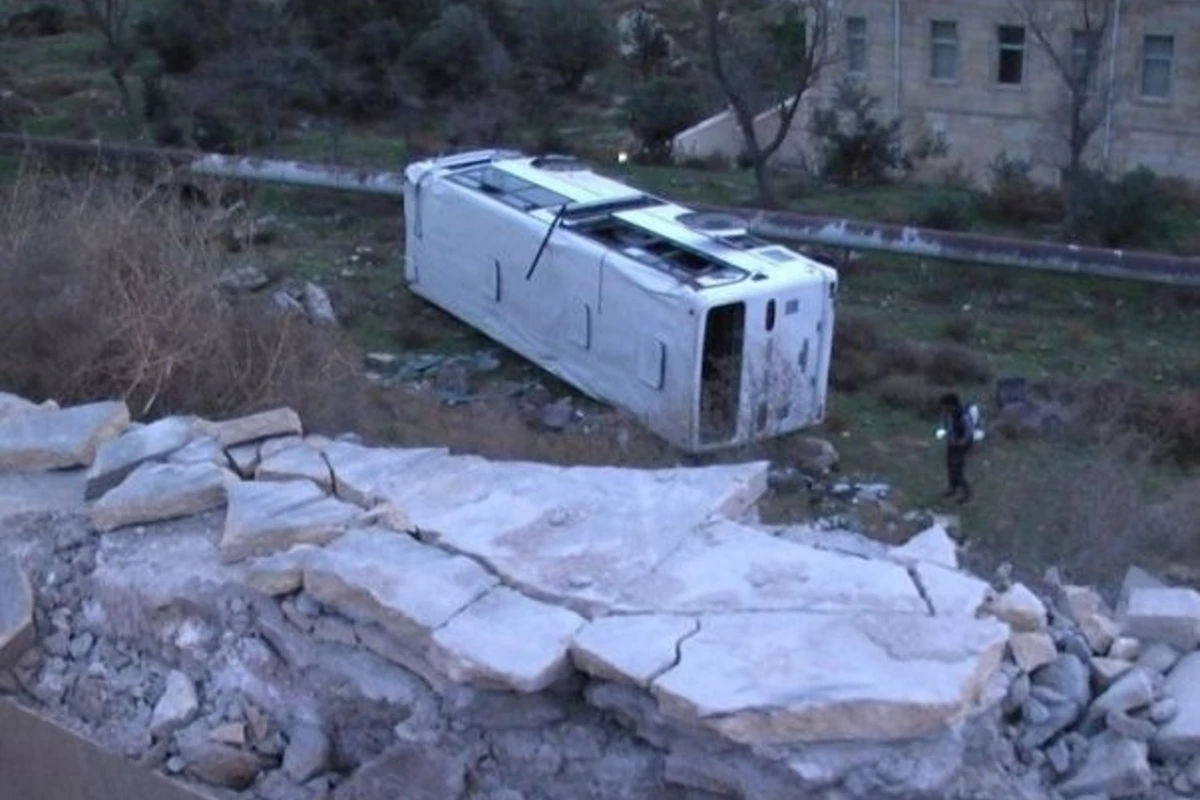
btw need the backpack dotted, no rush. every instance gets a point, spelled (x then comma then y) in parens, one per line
(973, 419)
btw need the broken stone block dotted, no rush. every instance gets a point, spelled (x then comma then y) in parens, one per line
(301, 462)
(276, 422)
(1135, 578)
(1180, 737)
(1158, 658)
(308, 752)
(269, 517)
(631, 649)
(1115, 767)
(408, 588)
(1032, 650)
(11, 405)
(505, 640)
(280, 573)
(1125, 648)
(1170, 615)
(1105, 670)
(17, 633)
(1020, 608)
(1068, 676)
(932, 545)
(1087, 608)
(177, 706)
(154, 492)
(201, 450)
(1134, 690)
(244, 458)
(61, 439)
(880, 677)
(117, 458)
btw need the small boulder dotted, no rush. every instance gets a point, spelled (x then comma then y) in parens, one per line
(117, 458)
(177, 706)
(1066, 675)
(62, 439)
(1134, 690)
(219, 764)
(264, 425)
(156, 492)
(308, 752)
(1115, 767)
(1135, 578)
(1125, 648)
(318, 306)
(1020, 608)
(1087, 609)
(814, 455)
(557, 416)
(243, 278)
(231, 733)
(1128, 726)
(1170, 615)
(1105, 671)
(1032, 650)
(1159, 658)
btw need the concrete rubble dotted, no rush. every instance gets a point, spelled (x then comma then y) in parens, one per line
(235, 605)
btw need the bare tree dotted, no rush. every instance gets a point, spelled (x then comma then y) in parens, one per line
(1074, 35)
(764, 55)
(110, 18)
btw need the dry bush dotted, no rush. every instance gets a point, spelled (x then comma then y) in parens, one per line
(951, 364)
(1088, 514)
(110, 292)
(959, 328)
(910, 393)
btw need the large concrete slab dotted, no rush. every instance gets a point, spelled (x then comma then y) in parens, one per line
(117, 458)
(408, 588)
(270, 517)
(1170, 615)
(154, 492)
(801, 677)
(578, 536)
(730, 567)
(506, 641)
(631, 649)
(16, 612)
(59, 439)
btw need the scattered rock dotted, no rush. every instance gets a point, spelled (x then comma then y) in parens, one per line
(231, 733)
(1115, 767)
(156, 492)
(62, 439)
(264, 425)
(318, 306)
(1125, 648)
(81, 646)
(453, 380)
(1169, 615)
(814, 456)
(1020, 608)
(1180, 737)
(177, 706)
(17, 632)
(557, 416)
(1134, 690)
(117, 458)
(1068, 676)
(1086, 608)
(266, 518)
(243, 278)
(1032, 650)
(1130, 727)
(1107, 670)
(1159, 658)
(218, 764)
(308, 752)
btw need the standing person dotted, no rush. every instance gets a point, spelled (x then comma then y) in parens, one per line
(959, 437)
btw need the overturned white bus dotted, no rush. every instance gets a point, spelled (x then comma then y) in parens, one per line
(711, 337)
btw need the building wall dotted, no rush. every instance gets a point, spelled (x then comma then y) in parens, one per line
(982, 118)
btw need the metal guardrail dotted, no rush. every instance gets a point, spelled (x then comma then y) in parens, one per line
(830, 232)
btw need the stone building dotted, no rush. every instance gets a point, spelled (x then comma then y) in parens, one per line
(977, 73)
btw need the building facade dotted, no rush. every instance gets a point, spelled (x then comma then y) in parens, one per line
(980, 76)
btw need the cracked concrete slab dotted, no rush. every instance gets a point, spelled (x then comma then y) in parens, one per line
(730, 567)
(268, 517)
(50, 440)
(797, 677)
(633, 648)
(299, 462)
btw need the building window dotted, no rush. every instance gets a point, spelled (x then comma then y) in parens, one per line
(1011, 66)
(856, 44)
(943, 50)
(1158, 52)
(1085, 58)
